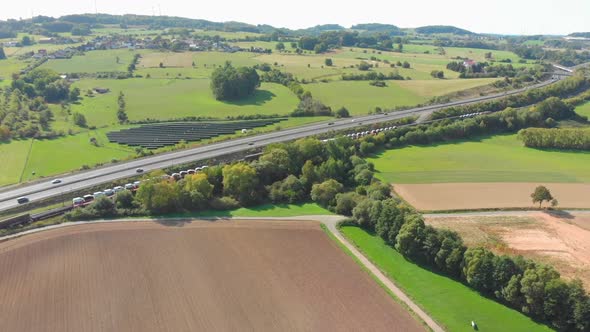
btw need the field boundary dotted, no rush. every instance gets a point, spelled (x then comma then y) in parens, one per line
(22, 172)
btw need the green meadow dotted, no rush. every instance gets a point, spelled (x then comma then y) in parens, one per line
(176, 98)
(501, 158)
(584, 109)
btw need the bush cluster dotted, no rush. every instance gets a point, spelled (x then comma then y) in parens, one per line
(564, 138)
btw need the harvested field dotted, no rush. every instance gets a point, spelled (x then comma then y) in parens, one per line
(200, 276)
(560, 240)
(469, 196)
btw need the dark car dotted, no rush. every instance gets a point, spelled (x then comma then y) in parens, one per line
(22, 200)
(139, 170)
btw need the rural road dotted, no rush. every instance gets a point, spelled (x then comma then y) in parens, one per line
(331, 223)
(79, 180)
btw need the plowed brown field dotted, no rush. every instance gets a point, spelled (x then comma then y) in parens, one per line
(222, 276)
(468, 196)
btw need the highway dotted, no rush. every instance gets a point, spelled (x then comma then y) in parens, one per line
(84, 179)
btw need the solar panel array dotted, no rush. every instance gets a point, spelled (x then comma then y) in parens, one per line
(158, 135)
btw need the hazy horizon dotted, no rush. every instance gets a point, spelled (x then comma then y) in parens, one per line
(501, 17)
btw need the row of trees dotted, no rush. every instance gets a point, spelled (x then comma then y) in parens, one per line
(484, 69)
(543, 114)
(307, 105)
(562, 138)
(382, 40)
(563, 89)
(371, 76)
(532, 288)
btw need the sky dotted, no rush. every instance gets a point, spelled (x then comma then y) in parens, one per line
(515, 17)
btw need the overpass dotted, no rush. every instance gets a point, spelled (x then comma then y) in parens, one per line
(79, 180)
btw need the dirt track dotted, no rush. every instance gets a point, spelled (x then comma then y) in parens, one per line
(143, 276)
(468, 196)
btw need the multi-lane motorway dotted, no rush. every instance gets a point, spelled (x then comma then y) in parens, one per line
(80, 180)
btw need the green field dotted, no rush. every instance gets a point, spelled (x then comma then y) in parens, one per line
(360, 97)
(265, 210)
(14, 156)
(176, 98)
(584, 109)
(10, 66)
(93, 62)
(54, 156)
(449, 302)
(500, 158)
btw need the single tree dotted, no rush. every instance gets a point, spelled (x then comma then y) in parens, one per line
(328, 62)
(541, 194)
(79, 120)
(2, 54)
(342, 112)
(280, 46)
(26, 41)
(121, 114)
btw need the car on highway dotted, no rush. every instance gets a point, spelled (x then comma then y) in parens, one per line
(251, 143)
(129, 186)
(330, 123)
(118, 189)
(139, 170)
(98, 194)
(56, 181)
(109, 192)
(22, 200)
(88, 198)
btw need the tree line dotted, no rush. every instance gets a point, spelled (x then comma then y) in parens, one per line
(334, 175)
(570, 86)
(532, 288)
(371, 76)
(543, 114)
(308, 106)
(485, 69)
(562, 138)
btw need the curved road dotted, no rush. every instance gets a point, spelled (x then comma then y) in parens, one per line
(79, 180)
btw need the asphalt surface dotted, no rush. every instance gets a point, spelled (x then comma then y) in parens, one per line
(80, 180)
